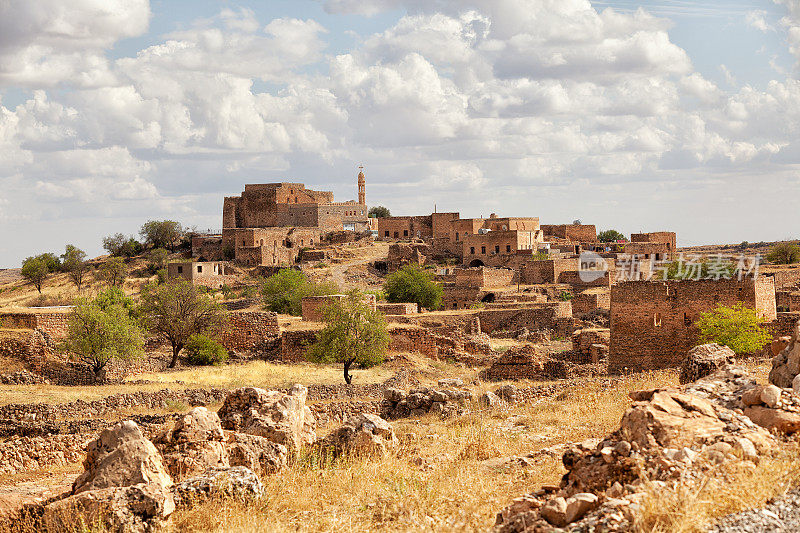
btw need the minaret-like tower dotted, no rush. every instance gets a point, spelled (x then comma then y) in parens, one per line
(362, 186)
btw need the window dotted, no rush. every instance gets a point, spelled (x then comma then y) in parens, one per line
(180, 269)
(386, 233)
(456, 235)
(483, 249)
(497, 249)
(472, 250)
(657, 320)
(199, 269)
(508, 247)
(686, 320)
(396, 234)
(405, 233)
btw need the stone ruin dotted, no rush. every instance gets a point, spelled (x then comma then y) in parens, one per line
(423, 400)
(667, 437)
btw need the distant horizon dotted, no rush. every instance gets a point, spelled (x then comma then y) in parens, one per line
(638, 116)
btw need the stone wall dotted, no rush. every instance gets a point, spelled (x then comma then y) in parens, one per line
(52, 323)
(313, 306)
(786, 278)
(534, 317)
(583, 339)
(652, 323)
(588, 301)
(397, 309)
(571, 232)
(248, 330)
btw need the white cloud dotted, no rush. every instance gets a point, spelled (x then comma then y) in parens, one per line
(756, 19)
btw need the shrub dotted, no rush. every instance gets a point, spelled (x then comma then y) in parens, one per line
(411, 284)
(379, 211)
(284, 292)
(203, 350)
(161, 233)
(740, 328)
(784, 253)
(565, 296)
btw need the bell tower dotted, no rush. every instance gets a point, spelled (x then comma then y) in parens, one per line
(362, 186)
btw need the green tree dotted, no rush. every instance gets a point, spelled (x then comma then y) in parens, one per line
(283, 292)
(354, 334)
(610, 235)
(176, 310)
(119, 245)
(415, 285)
(102, 330)
(784, 253)
(74, 264)
(379, 212)
(113, 271)
(157, 259)
(36, 269)
(740, 328)
(161, 233)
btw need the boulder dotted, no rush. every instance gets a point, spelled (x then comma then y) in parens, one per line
(234, 482)
(555, 511)
(259, 454)
(135, 508)
(671, 419)
(704, 360)
(282, 418)
(786, 365)
(778, 419)
(120, 457)
(490, 400)
(362, 434)
(194, 444)
(578, 505)
(450, 382)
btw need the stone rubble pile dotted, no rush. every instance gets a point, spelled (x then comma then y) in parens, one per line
(416, 402)
(668, 436)
(704, 360)
(786, 364)
(363, 434)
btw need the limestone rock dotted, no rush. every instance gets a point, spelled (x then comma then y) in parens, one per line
(771, 396)
(259, 454)
(450, 382)
(671, 419)
(136, 508)
(235, 482)
(120, 457)
(282, 418)
(555, 511)
(783, 421)
(786, 365)
(194, 444)
(578, 505)
(490, 400)
(509, 393)
(364, 433)
(704, 360)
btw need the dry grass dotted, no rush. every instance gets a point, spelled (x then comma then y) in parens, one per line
(437, 479)
(264, 374)
(730, 488)
(256, 373)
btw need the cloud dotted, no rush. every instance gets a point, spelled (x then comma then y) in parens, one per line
(757, 20)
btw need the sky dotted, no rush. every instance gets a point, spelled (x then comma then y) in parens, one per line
(638, 116)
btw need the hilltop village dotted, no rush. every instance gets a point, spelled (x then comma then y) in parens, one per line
(562, 379)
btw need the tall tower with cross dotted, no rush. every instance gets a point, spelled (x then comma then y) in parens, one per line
(362, 186)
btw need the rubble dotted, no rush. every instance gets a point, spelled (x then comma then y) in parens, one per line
(704, 360)
(419, 401)
(363, 434)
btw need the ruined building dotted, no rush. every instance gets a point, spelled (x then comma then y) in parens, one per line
(269, 223)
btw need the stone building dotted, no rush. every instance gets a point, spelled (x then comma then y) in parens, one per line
(212, 274)
(570, 232)
(269, 223)
(657, 245)
(652, 322)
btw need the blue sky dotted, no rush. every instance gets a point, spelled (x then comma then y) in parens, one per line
(634, 115)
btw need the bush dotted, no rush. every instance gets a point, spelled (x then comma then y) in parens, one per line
(379, 212)
(739, 328)
(565, 296)
(284, 292)
(610, 235)
(411, 284)
(202, 350)
(784, 253)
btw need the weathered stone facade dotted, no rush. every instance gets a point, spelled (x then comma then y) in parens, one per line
(652, 323)
(211, 274)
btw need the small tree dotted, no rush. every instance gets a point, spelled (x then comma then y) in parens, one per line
(102, 330)
(157, 259)
(74, 264)
(784, 253)
(35, 270)
(284, 291)
(354, 334)
(176, 310)
(113, 272)
(415, 285)
(379, 212)
(740, 328)
(161, 233)
(610, 235)
(203, 350)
